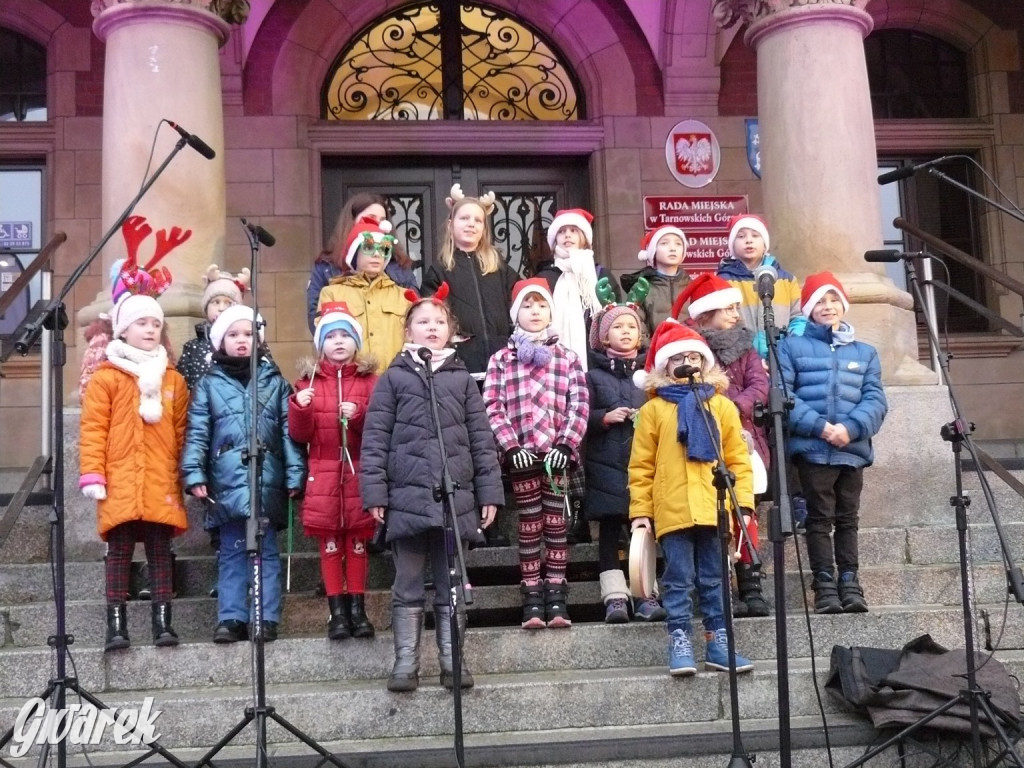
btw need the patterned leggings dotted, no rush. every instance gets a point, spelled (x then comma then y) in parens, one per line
(121, 545)
(344, 564)
(541, 505)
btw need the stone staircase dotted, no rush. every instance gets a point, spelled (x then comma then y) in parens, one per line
(593, 695)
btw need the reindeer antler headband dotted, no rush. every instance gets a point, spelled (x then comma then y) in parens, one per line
(485, 201)
(438, 297)
(148, 280)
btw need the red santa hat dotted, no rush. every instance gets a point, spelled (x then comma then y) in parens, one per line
(670, 339)
(816, 286)
(706, 293)
(366, 226)
(649, 243)
(747, 221)
(572, 217)
(524, 288)
(335, 316)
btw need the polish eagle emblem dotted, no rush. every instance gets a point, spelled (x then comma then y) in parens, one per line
(694, 153)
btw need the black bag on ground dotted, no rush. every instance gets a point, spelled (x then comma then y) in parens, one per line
(897, 688)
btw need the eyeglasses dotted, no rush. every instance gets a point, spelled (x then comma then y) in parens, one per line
(383, 247)
(694, 358)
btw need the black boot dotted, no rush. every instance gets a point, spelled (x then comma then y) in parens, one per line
(826, 596)
(361, 626)
(339, 625)
(579, 528)
(850, 593)
(443, 631)
(556, 604)
(164, 635)
(748, 581)
(117, 627)
(407, 626)
(533, 606)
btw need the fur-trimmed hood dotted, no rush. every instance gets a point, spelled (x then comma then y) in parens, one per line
(365, 364)
(715, 377)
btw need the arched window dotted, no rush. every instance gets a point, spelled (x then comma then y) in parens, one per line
(914, 75)
(450, 61)
(22, 78)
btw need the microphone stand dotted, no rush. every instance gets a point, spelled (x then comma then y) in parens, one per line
(255, 531)
(457, 578)
(724, 481)
(780, 520)
(958, 433)
(55, 319)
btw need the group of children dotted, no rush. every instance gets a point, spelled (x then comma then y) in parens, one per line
(551, 379)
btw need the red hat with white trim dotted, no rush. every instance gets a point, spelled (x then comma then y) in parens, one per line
(747, 221)
(816, 286)
(671, 339)
(649, 242)
(572, 217)
(524, 288)
(366, 227)
(706, 293)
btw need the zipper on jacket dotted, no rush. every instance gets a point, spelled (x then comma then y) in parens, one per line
(480, 306)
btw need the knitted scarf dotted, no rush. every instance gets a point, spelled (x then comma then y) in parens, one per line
(533, 348)
(575, 294)
(148, 368)
(692, 432)
(437, 356)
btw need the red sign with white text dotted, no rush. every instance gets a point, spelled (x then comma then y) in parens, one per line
(704, 219)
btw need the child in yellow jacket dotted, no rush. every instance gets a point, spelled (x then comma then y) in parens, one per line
(671, 486)
(376, 302)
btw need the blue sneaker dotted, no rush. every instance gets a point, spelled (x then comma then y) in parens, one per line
(680, 654)
(716, 654)
(799, 509)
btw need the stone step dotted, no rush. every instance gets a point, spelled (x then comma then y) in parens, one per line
(297, 660)
(558, 702)
(195, 574)
(30, 624)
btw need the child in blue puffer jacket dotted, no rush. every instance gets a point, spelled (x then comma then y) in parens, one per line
(839, 406)
(212, 467)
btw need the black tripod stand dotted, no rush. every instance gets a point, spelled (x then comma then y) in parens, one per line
(55, 319)
(457, 579)
(255, 531)
(724, 482)
(957, 434)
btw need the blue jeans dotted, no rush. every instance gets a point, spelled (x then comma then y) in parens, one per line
(692, 557)
(234, 574)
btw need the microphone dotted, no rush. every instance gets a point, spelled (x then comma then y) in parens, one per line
(909, 170)
(425, 354)
(765, 277)
(890, 256)
(260, 233)
(193, 141)
(685, 371)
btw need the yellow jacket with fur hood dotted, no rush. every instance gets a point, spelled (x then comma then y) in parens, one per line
(664, 484)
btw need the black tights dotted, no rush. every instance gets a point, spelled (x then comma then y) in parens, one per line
(608, 544)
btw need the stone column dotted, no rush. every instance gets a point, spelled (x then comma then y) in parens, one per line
(162, 62)
(819, 162)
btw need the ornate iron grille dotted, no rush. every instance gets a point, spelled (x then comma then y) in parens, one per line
(519, 224)
(406, 216)
(22, 78)
(395, 70)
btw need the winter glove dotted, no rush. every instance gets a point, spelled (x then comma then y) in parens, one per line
(520, 458)
(558, 457)
(94, 491)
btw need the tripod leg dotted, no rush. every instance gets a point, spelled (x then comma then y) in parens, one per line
(307, 740)
(215, 750)
(994, 720)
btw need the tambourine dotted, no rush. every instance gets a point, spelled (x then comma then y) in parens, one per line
(643, 558)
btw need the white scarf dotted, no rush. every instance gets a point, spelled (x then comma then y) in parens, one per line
(575, 293)
(437, 356)
(149, 369)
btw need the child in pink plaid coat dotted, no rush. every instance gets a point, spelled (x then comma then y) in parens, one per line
(536, 396)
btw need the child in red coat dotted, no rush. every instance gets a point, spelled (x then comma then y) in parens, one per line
(327, 412)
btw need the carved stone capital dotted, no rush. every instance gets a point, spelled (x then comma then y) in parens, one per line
(231, 11)
(730, 12)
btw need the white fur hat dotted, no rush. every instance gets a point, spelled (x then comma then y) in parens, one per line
(131, 307)
(229, 317)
